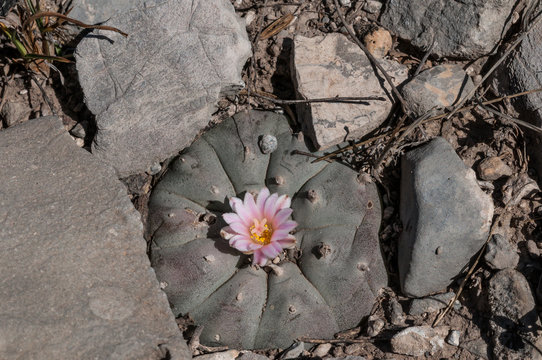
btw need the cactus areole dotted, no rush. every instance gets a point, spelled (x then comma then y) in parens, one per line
(222, 215)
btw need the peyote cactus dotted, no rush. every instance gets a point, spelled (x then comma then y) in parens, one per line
(327, 286)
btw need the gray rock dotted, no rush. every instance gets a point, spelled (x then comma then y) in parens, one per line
(501, 253)
(321, 350)
(430, 304)
(98, 11)
(465, 29)
(418, 340)
(15, 111)
(453, 337)
(477, 347)
(349, 357)
(374, 325)
(249, 355)
(294, 351)
(437, 88)
(155, 90)
(222, 355)
(445, 215)
(522, 72)
(396, 312)
(332, 65)
(77, 283)
(514, 320)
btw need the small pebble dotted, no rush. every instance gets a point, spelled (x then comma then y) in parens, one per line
(372, 6)
(294, 351)
(493, 168)
(154, 169)
(374, 325)
(78, 131)
(347, 3)
(533, 249)
(79, 142)
(453, 337)
(23, 92)
(396, 313)
(353, 348)
(500, 253)
(378, 42)
(268, 144)
(321, 350)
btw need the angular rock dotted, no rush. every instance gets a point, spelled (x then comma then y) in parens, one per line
(436, 88)
(321, 350)
(522, 72)
(249, 355)
(493, 168)
(153, 91)
(430, 304)
(445, 215)
(332, 65)
(77, 283)
(514, 320)
(98, 11)
(453, 337)
(378, 42)
(501, 253)
(466, 29)
(222, 355)
(418, 340)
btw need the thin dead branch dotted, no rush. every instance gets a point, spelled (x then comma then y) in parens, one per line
(437, 117)
(337, 99)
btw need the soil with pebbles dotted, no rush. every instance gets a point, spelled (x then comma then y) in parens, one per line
(475, 135)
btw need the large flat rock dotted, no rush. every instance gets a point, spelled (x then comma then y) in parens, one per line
(76, 281)
(153, 91)
(466, 29)
(330, 66)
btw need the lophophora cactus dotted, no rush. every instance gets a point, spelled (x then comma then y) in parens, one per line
(328, 285)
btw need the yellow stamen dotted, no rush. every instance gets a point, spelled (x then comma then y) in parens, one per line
(260, 232)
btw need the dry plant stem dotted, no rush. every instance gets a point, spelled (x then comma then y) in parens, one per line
(469, 273)
(375, 62)
(512, 119)
(353, 99)
(73, 21)
(493, 68)
(463, 109)
(336, 341)
(45, 97)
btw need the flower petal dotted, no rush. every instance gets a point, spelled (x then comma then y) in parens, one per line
(259, 258)
(239, 207)
(243, 244)
(250, 205)
(287, 225)
(284, 202)
(279, 235)
(260, 201)
(281, 217)
(231, 218)
(227, 232)
(240, 229)
(287, 242)
(269, 209)
(269, 251)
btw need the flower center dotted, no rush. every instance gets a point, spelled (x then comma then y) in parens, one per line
(260, 232)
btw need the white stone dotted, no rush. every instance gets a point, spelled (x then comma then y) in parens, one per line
(330, 66)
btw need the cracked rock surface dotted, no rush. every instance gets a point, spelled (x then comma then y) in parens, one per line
(153, 91)
(77, 282)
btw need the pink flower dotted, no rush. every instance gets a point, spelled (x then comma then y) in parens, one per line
(260, 227)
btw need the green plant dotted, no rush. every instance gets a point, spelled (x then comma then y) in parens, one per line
(327, 284)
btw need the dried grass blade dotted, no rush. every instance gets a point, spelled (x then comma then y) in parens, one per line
(277, 26)
(73, 21)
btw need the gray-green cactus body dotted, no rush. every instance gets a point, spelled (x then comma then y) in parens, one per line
(330, 287)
